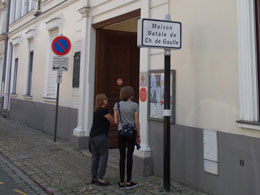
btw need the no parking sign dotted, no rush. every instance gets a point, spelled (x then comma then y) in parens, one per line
(61, 45)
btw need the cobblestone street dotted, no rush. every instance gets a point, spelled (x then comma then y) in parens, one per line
(14, 181)
(58, 169)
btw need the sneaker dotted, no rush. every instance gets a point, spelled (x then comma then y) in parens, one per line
(105, 183)
(93, 181)
(131, 185)
(120, 186)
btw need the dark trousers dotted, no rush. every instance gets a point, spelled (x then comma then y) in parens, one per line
(99, 147)
(130, 144)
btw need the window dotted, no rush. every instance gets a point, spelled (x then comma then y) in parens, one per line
(51, 75)
(29, 78)
(1, 72)
(257, 14)
(76, 70)
(13, 11)
(18, 9)
(31, 5)
(25, 7)
(15, 76)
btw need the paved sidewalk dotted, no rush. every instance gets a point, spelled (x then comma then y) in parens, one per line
(14, 181)
(59, 169)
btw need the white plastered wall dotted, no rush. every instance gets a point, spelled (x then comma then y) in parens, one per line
(207, 66)
(68, 95)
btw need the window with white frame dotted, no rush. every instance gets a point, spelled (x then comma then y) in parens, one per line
(248, 48)
(257, 16)
(13, 10)
(1, 74)
(31, 5)
(51, 85)
(15, 75)
(25, 7)
(18, 9)
(29, 74)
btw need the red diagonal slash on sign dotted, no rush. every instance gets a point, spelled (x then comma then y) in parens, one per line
(61, 46)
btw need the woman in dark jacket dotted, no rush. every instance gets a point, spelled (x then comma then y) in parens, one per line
(99, 140)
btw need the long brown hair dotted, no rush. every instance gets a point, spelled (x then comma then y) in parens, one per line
(99, 100)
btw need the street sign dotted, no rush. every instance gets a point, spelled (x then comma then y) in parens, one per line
(61, 45)
(59, 77)
(159, 33)
(60, 63)
(164, 34)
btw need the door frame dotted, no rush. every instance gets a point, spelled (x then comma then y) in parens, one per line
(98, 30)
(117, 19)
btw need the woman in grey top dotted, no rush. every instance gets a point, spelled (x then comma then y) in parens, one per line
(129, 112)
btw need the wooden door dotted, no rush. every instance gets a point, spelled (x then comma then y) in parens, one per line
(117, 57)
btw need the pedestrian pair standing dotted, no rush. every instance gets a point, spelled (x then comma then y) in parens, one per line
(126, 115)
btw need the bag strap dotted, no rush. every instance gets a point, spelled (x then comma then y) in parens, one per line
(118, 106)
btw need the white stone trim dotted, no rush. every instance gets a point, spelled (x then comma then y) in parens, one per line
(16, 40)
(30, 33)
(143, 106)
(249, 126)
(54, 23)
(248, 87)
(87, 78)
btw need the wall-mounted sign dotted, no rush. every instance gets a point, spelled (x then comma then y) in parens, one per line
(143, 79)
(60, 63)
(143, 94)
(156, 96)
(159, 33)
(119, 82)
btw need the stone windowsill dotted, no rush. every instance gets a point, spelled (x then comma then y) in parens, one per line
(27, 97)
(13, 95)
(255, 125)
(48, 99)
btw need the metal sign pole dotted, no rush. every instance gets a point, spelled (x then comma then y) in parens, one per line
(167, 117)
(57, 107)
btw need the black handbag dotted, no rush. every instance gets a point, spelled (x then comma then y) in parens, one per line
(127, 131)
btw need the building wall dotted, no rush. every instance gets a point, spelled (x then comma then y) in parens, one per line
(30, 33)
(207, 98)
(41, 43)
(187, 161)
(207, 66)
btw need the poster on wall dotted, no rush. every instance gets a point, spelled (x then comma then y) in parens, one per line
(156, 91)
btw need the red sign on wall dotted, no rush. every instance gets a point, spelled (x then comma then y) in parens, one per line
(119, 82)
(143, 94)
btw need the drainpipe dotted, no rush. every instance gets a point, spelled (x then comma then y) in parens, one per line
(6, 39)
(6, 45)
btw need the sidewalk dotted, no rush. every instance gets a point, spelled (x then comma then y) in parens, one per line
(59, 169)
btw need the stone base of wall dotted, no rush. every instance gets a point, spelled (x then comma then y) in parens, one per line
(41, 116)
(187, 161)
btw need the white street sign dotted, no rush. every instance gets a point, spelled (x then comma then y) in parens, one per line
(159, 34)
(59, 76)
(60, 63)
